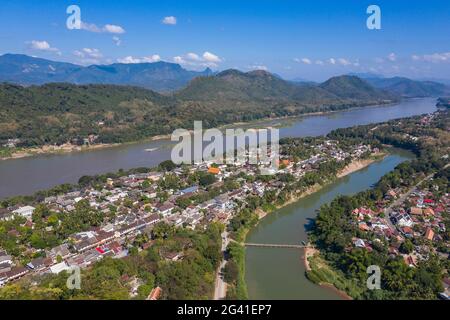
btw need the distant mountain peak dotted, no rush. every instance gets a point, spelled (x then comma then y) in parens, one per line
(366, 75)
(208, 71)
(260, 73)
(230, 72)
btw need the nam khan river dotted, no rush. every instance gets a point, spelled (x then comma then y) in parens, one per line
(279, 273)
(27, 175)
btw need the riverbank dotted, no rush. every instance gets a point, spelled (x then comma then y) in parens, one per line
(308, 253)
(360, 164)
(51, 149)
(69, 148)
(320, 273)
(347, 170)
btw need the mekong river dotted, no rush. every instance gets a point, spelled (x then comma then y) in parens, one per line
(27, 175)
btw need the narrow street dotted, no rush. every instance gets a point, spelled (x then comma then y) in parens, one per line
(220, 291)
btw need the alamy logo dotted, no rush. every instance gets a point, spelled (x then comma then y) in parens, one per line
(252, 146)
(74, 280)
(74, 20)
(374, 20)
(374, 280)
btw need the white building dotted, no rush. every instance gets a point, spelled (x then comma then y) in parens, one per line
(25, 212)
(57, 268)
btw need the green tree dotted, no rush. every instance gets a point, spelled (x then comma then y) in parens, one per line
(406, 247)
(231, 272)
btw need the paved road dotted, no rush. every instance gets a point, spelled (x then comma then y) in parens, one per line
(220, 291)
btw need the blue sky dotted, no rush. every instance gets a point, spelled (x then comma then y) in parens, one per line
(295, 39)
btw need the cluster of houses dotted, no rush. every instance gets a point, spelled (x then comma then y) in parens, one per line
(331, 148)
(416, 216)
(81, 250)
(419, 218)
(133, 205)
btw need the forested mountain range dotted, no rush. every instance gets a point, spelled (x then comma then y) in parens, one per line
(60, 112)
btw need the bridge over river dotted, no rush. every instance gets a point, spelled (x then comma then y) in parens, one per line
(273, 245)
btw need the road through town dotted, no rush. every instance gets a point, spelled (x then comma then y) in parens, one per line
(220, 291)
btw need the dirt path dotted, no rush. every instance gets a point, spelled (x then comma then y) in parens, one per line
(309, 252)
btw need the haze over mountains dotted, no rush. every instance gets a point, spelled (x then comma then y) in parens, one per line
(165, 76)
(158, 76)
(405, 87)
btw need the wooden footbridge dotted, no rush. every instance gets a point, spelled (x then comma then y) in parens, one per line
(273, 245)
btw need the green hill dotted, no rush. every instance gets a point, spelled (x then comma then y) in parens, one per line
(354, 88)
(235, 89)
(61, 112)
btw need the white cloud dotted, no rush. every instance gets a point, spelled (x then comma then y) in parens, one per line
(306, 61)
(40, 45)
(303, 60)
(379, 60)
(207, 59)
(210, 57)
(117, 40)
(111, 28)
(258, 67)
(148, 59)
(434, 57)
(344, 62)
(169, 20)
(392, 57)
(107, 28)
(90, 27)
(193, 56)
(88, 55)
(43, 46)
(179, 59)
(332, 61)
(152, 58)
(129, 59)
(88, 52)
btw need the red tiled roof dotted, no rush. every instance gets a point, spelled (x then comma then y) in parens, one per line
(155, 294)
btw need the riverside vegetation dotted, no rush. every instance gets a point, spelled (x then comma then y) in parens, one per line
(62, 113)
